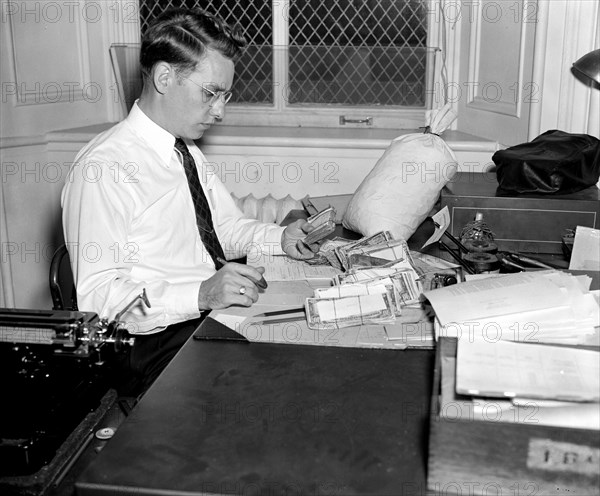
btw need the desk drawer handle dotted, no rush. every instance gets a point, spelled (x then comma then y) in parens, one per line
(367, 120)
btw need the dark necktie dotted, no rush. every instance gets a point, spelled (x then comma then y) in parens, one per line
(203, 215)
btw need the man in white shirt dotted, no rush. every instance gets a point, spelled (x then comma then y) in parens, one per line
(129, 217)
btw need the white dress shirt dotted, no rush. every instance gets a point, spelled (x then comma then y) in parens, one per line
(129, 224)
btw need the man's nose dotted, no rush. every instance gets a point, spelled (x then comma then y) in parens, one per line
(218, 109)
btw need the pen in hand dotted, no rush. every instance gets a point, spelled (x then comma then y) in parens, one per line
(262, 283)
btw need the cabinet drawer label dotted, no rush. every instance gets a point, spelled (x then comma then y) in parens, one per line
(556, 456)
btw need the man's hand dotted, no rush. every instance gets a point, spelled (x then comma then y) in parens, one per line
(234, 284)
(292, 240)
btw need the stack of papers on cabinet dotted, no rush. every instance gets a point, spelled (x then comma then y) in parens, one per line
(544, 306)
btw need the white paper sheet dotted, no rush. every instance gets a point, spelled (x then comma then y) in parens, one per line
(509, 369)
(541, 306)
(486, 298)
(284, 268)
(586, 249)
(441, 220)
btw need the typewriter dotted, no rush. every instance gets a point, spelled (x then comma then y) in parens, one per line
(55, 368)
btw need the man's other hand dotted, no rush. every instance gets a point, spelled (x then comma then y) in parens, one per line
(292, 240)
(234, 284)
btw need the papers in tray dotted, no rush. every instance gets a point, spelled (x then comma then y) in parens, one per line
(511, 409)
(522, 370)
(543, 306)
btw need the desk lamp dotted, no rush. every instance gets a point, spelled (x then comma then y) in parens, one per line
(587, 69)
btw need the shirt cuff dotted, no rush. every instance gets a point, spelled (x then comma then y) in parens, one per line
(273, 241)
(185, 300)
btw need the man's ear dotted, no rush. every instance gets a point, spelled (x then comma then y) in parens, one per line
(163, 75)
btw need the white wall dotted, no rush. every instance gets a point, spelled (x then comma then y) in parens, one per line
(567, 30)
(56, 74)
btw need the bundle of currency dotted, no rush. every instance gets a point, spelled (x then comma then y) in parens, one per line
(332, 259)
(356, 260)
(318, 259)
(381, 285)
(408, 286)
(326, 254)
(328, 313)
(363, 274)
(324, 223)
(319, 233)
(350, 290)
(391, 250)
(401, 275)
(374, 240)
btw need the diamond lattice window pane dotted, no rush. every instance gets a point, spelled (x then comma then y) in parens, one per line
(361, 52)
(253, 82)
(359, 75)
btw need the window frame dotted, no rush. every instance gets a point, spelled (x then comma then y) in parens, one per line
(279, 114)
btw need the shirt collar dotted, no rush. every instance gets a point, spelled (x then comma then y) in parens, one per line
(157, 138)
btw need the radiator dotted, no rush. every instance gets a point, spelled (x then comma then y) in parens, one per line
(268, 208)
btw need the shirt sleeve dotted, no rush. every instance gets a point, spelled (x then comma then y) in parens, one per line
(97, 213)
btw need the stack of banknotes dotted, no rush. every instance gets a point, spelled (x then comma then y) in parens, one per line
(379, 279)
(323, 223)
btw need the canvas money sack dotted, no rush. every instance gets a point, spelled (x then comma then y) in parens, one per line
(400, 191)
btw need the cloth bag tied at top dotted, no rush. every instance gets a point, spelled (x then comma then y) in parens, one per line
(400, 191)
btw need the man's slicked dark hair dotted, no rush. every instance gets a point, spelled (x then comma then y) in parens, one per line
(181, 37)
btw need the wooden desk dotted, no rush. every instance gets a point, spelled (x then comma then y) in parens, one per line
(231, 417)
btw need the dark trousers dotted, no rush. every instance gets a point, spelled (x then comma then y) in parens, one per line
(138, 368)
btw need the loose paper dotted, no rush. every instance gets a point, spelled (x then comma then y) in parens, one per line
(586, 249)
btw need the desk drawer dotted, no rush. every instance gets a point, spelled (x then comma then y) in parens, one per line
(468, 455)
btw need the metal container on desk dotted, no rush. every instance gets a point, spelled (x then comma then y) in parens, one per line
(523, 223)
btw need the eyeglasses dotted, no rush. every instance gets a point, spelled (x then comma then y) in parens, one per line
(213, 96)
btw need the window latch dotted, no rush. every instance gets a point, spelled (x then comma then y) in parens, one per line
(367, 120)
